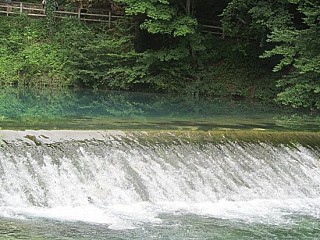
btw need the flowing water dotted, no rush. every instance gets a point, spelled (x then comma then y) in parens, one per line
(140, 166)
(133, 185)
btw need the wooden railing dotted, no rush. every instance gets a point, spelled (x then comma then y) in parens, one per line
(89, 15)
(217, 30)
(37, 10)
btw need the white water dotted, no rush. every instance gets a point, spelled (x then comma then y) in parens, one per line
(124, 183)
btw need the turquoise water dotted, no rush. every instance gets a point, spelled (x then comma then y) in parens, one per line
(66, 109)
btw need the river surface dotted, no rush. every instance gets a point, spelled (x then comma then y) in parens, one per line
(113, 165)
(66, 109)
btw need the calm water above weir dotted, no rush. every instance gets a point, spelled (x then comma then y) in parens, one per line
(24, 109)
(120, 183)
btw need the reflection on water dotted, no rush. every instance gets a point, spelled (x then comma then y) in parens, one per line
(173, 227)
(67, 109)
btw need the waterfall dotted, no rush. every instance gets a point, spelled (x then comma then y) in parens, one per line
(117, 177)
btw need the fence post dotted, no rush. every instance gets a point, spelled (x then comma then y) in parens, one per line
(223, 33)
(79, 12)
(21, 7)
(109, 20)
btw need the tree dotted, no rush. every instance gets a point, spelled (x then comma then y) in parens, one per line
(167, 37)
(292, 29)
(162, 17)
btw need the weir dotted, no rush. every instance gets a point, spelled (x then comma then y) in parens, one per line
(118, 177)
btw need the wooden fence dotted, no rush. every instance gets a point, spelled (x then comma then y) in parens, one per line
(37, 10)
(89, 15)
(217, 30)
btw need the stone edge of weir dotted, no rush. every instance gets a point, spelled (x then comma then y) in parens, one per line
(51, 136)
(39, 137)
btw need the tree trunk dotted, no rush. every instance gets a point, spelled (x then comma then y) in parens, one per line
(188, 7)
(189, 12)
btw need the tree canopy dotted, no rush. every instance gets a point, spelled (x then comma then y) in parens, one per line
(289, 29)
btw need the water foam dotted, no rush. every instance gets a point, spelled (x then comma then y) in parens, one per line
(119, 217)
(125, 183)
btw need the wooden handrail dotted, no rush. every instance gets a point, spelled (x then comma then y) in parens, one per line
(36, 10)
(210, 26)
(218, 30)
(31, 9)
(39, 6)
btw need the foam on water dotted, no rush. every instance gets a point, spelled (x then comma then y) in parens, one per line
(124, 182)
(119, 217)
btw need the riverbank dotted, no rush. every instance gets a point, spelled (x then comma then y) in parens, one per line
(78, 55)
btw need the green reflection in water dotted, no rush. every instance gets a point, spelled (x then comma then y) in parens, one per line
(66, 109)
(177, 227)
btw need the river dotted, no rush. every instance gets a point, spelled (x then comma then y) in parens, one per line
(113, 166)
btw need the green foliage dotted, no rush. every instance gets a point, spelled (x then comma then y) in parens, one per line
(109, 61)
(17, 34)
(166, 53)
(161, 17)
(76, 54)
(29, 57)
(83, 55)
(299, 47)
(292, 29)
(169, 64)
(101, 58)
(50, 20)
(300, 90)
(225, 71)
